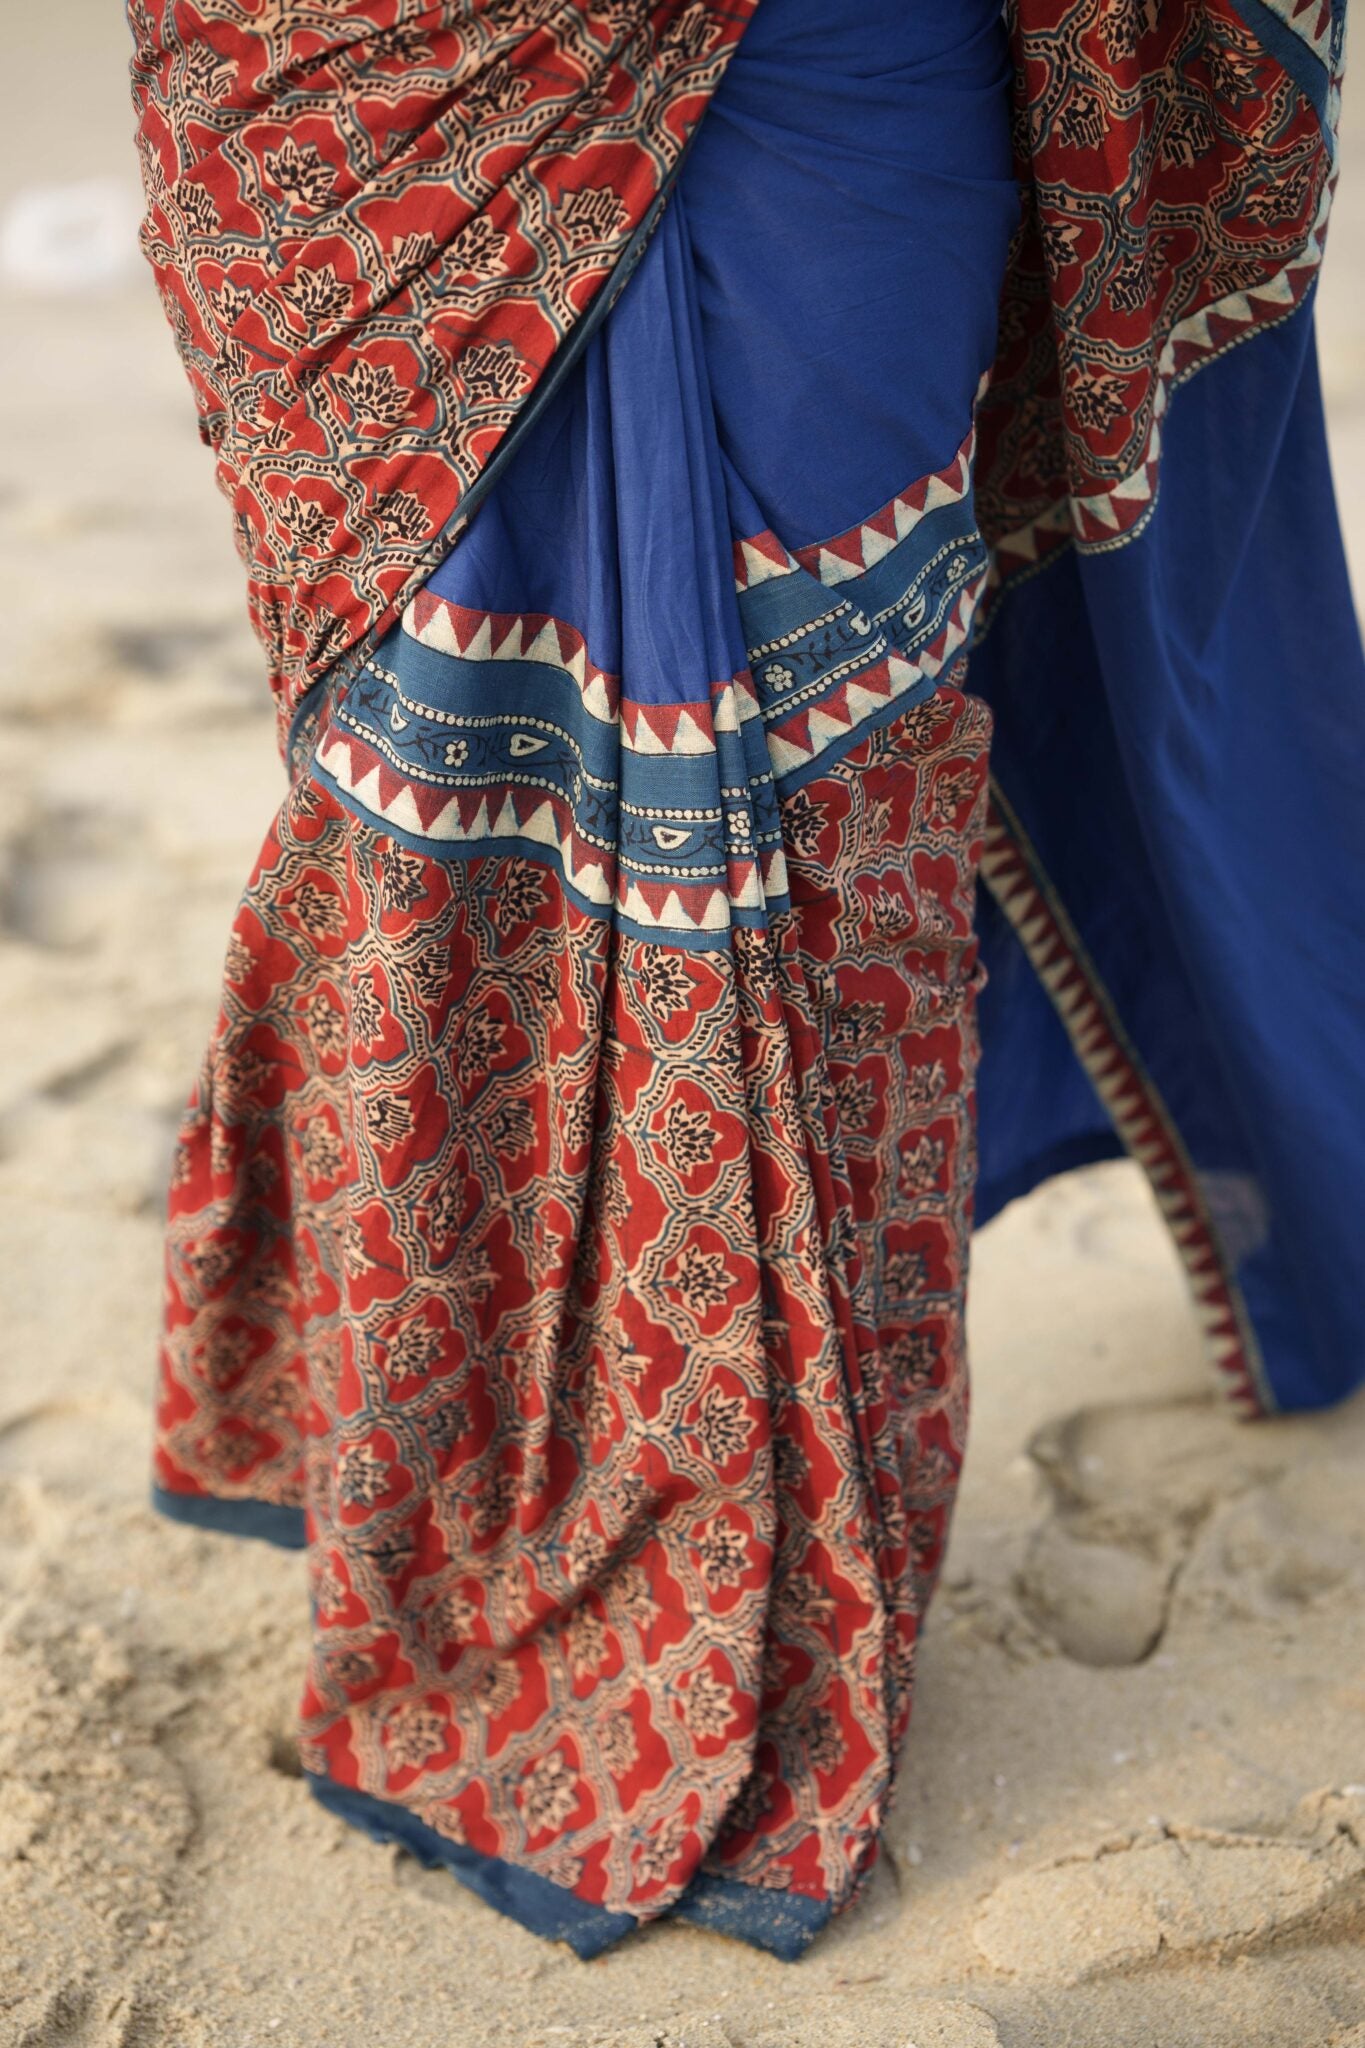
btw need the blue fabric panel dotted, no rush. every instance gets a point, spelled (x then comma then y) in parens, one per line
(622, 430)
(850, 198)
(1181, 726)
(785, 1923)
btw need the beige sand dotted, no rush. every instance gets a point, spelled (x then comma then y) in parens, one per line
(1132, 1813)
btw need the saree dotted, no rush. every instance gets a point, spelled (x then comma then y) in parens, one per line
(768, 784)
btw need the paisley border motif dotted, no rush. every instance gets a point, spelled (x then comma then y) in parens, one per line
(661, 815)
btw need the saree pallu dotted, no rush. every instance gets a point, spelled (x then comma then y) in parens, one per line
(569, 1229)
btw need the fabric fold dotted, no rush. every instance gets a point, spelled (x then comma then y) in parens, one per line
(621, 1083)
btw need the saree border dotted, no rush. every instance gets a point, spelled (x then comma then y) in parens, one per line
(784, 1923)
(838, 641)
(1311, 55)
(1016, 878)
(233, 1515)
(1097, 524)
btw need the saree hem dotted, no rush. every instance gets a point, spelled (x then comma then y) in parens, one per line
(285, 1527)
(783, 1923)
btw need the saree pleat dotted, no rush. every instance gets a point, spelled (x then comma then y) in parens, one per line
(569, 1232)
(624, 1346)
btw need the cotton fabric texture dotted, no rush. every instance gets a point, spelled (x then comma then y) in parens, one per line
(799, 725)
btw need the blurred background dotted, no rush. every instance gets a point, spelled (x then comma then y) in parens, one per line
(164, 1882)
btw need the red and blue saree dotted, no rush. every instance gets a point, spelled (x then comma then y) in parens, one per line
(761, 632)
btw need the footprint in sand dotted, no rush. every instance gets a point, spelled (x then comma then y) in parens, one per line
(189, 671)
(1180, 1891)
(75, 2017)
(1130, 1486)
(166, 649)
(1298, 1542)
(114, 2016)
(83, 1077)
(891, 2021)
(41, 1483)
(97, 1814)
(34, 1524)
(88, 675)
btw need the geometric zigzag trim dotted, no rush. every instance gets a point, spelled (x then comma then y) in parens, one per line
(605, 785)
(688, 870)
(762, 556)
(798, 741)
(797, 737)
(857, 662)
(469, 730)
(455, 629)
(1011, 870)
(679, 727)
(1107, 519)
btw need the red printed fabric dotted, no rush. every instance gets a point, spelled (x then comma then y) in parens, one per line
(1178, 182)
(373, 224)
(601, 1300)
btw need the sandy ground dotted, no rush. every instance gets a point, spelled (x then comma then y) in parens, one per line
(1132, 1814)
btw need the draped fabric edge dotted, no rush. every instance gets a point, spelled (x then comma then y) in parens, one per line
(332, 681)
(1012, 872)
(1309, 43)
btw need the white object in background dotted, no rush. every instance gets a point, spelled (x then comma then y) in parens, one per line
(70, 238)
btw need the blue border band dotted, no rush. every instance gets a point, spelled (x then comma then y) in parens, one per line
(282, 1526)
(783, 1923)
(544, 1908)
